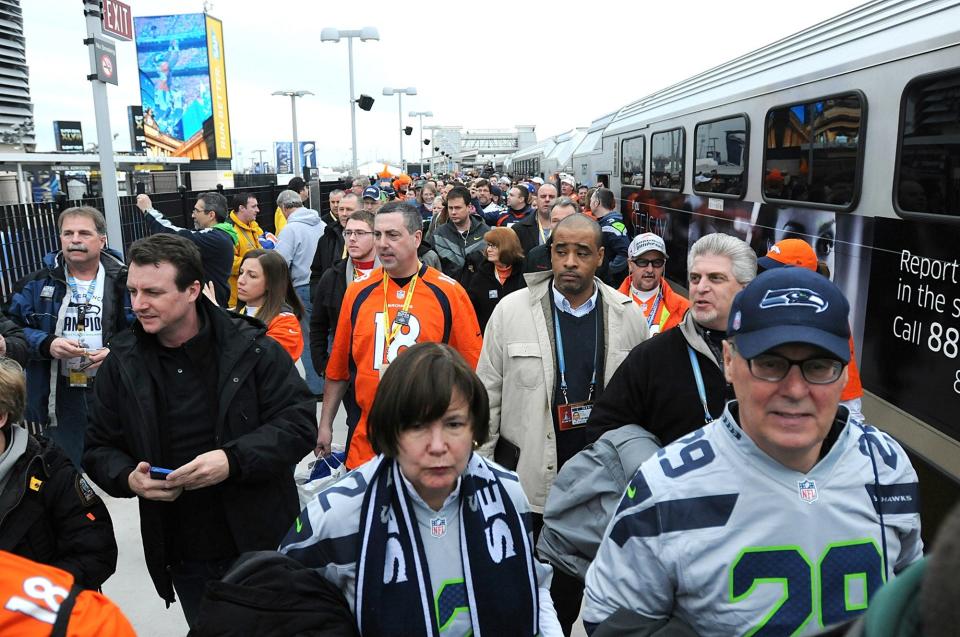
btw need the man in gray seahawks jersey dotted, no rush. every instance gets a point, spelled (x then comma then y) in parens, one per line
(780, 517)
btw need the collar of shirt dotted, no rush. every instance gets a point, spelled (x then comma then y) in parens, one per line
(564, 305)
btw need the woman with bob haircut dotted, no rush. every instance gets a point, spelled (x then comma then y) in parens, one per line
(499, 274)
(265, 292)
(428, 535)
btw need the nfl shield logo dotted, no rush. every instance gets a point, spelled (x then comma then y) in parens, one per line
(808, 491)
(438, 527)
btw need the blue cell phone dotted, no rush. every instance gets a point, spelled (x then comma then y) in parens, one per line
(159, 473)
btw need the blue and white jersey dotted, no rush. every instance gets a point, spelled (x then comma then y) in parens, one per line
(326, 536)
(713, 530)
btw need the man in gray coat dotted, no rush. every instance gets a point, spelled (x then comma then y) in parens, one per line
(297, 243)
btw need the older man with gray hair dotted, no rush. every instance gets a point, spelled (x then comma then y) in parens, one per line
(297, 243)
(673, 384)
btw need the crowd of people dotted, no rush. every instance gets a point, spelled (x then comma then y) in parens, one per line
(537, 422)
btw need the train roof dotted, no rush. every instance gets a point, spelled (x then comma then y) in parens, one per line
(871, 34)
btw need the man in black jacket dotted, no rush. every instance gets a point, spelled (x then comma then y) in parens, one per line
(208, 395)
(13, 344)
(656, 387)
(538, 259)
(331, 247)
(534, 229)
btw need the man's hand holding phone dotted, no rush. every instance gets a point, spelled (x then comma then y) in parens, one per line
(142, 482)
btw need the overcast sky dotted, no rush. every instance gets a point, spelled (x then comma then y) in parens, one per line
(483, 65)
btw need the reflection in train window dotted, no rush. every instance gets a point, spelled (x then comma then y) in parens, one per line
(631, 161)
(929, 159)
(720, 156)
(813, 151)
(666, 159)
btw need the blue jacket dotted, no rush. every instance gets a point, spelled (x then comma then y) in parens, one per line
(615, 244)
(36, 307)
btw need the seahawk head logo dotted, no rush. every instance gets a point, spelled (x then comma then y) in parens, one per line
(794, 297)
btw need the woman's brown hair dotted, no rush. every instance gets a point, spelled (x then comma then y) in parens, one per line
(505, 239)
(279, 287)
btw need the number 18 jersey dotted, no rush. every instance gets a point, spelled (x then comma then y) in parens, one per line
(440, 311)
(713, 530)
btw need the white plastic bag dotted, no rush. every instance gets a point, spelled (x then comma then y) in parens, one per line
(331, 469)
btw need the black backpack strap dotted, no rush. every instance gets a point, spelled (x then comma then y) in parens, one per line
(63, 615)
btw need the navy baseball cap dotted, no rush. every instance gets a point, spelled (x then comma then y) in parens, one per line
(371, 192)
(790, 305)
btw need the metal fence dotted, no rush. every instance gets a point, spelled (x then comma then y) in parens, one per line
(29, 231)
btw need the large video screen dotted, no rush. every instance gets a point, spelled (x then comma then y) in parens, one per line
(184, 113)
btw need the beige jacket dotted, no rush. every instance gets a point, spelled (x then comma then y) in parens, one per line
(517, 367)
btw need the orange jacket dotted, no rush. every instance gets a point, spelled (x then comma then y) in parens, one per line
(285, 329)
(671, 310)
(32, 594)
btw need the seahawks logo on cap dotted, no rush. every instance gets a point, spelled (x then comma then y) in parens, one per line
(794, 297)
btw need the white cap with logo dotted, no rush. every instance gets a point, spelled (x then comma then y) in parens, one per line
(644, 243)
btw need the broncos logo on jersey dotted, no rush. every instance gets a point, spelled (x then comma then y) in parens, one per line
(794, 297)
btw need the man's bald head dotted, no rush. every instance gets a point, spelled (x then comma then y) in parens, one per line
(579, 222)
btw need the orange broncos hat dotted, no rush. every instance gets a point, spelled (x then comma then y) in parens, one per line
(795, 252)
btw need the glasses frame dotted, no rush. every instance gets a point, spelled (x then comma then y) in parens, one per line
(359, 234)
(653, 262)
(791, 362)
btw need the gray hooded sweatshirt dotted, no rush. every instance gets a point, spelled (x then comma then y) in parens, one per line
(297, 243)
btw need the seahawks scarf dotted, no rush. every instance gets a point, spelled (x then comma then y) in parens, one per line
(394, 595)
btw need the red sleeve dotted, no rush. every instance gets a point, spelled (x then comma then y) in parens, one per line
(338, 365)
(285, 329)
(465, 335)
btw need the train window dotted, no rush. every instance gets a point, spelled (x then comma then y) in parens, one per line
(720, 156)
(929, 157)
(666, 159)
(631, 161)
(813, 151)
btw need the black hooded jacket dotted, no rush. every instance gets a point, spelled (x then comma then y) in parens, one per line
(50, 514)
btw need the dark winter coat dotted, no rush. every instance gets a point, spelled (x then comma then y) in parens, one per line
(50, 514)
(266, 423)
(485, 289)
(17, 347)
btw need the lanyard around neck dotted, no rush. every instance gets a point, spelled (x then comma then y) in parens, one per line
(543, 237)
(701, 389)
(561, 361)
(390, 328)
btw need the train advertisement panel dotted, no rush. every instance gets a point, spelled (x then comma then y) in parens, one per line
(912, 337)
(183, 89)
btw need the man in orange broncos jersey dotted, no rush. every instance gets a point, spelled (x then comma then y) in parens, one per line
(402, 303)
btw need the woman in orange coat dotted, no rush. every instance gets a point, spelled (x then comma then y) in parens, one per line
(264, 291)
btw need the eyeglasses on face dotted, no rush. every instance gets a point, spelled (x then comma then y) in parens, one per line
(773, 368)
(642, 263)
(359, 234)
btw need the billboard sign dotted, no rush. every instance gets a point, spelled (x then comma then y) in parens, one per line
(308, 154)
(284, 154)
(183, 85)
(117, 20)
(69, 136)
(138, 141)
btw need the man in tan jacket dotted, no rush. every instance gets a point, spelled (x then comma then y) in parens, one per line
(548, 352)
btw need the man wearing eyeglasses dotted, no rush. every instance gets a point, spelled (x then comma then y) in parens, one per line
(781, 516)
(662, 307)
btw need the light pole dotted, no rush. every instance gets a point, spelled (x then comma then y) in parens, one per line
(293, 95)
(330, 34)
(421, 115)
(400, 92)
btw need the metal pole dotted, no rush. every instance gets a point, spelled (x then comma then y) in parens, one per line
(353, 108)
(400, 122)
(297, 168)
(420, 144)
(108, 171)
